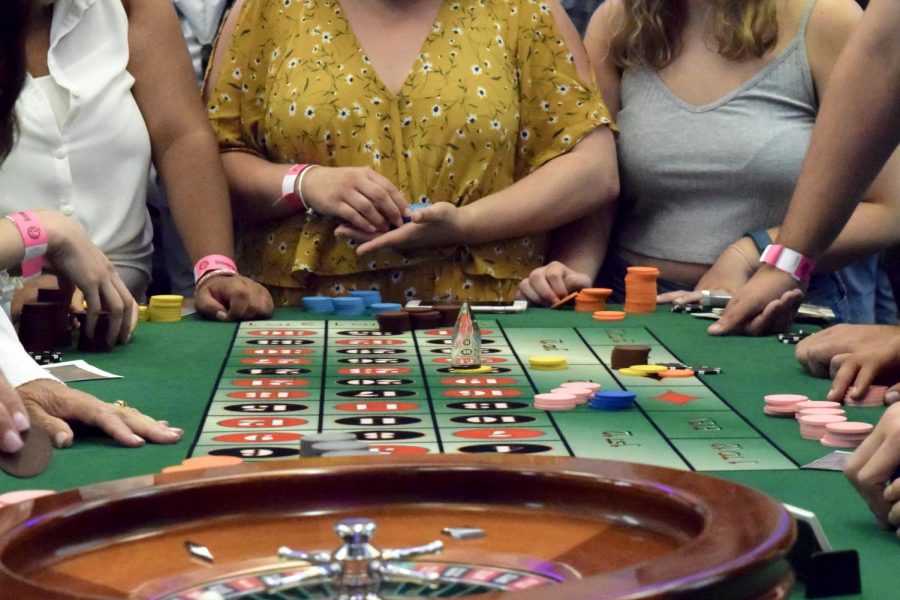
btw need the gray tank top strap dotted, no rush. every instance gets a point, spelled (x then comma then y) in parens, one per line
(804, 22)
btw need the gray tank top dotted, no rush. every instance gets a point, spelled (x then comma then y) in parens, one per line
(695, 178)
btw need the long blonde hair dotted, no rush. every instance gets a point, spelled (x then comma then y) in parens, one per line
(650, 30)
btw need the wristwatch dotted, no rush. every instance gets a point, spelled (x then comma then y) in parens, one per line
(784, 259)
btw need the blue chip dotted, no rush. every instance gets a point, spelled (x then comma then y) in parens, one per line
(378, 307)
(348, 306)
(368, 297)
(318, 304)
(612, 400)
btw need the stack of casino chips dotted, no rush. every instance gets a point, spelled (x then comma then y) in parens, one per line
(449, 312)
(812, 427)
(380, 307)
(393, 322)
(37, 326)
(592, 299)
(166, 308)
(369, 297)
(143, 313)
(640, 289)
(626, 355)
(321, 305)
(846, 434)
(644, 370)
(348, 306)
(582, 395)
(332, 443)
(99, 342)
(874, 397)
(782, 405)
(422, 317)
(612, 400)
(555, 401)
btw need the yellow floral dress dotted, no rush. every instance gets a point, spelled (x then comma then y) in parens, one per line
(493, 95)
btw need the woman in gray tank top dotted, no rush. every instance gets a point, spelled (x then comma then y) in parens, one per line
(715, 101)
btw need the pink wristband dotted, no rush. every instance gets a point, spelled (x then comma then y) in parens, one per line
(791, 262)
(288, 195)
(35, 242)
(211, 263)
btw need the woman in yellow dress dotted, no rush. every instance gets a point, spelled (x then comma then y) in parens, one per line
(479, 107)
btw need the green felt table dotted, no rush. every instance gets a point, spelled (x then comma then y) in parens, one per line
(171, 370)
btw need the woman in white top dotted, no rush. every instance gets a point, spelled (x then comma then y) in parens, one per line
(110, 87)
(25, 388)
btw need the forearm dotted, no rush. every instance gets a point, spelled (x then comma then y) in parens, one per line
(562, 190)
(12, 247)
(857, 128)
(198, 194)
(255, 185)
(581, 245)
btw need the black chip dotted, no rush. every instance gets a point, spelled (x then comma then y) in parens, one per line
(673, 365)
(46, 358)
(707, 370)
(694, 308)
(790, 339)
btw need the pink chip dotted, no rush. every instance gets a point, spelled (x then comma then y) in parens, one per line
(818, 404)
(821, 411)
(582, 395)
(581, 384)
(783, 399)
(551, 397)
(821, 420)
(851, 427)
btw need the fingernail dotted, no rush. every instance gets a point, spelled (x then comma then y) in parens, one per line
(829, 394)
(137, 440)
(21, 421)
(11, 441)
(852, 392)
(221, 315)
(892, 397)
(61, 439)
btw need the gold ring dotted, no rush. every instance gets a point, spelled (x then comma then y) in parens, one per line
(120, 404)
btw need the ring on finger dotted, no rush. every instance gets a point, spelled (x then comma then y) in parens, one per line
(120, 404)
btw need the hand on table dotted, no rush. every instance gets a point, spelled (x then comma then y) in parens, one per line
(546, 285)
(872, 464)
(817, 352)
(730, 271)
(441, 224)
(50, 404)
(233, 298)
(359, 196)
(766, 304)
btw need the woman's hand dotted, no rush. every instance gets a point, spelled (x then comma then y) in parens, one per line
(546, 285)
(872, 464)
(441, 224)
(74, 258)
(730, 271)
(362, 198)
(51, 404)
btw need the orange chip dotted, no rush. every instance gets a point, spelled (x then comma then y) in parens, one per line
(644, 271)
(203, 462)
(562, 301)
(596, 292)
(609, 315)
(676, 373)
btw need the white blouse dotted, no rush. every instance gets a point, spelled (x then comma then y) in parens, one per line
(17, 366)
(93, 167)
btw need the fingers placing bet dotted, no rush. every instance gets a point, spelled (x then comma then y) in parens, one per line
(875, 462)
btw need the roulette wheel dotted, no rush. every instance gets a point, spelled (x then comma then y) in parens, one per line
(520, 527)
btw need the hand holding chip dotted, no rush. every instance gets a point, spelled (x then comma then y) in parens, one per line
(441, 224)
(818, 352)
(365, 200)
(546, 285)
(878, 360)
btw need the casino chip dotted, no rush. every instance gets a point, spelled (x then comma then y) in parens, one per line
(793, 337)
(689, 308)
(707, 370)
(46, 358)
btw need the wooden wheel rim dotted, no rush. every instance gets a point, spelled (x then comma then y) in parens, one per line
(737, 537)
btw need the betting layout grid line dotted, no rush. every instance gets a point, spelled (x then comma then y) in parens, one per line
(397, 393)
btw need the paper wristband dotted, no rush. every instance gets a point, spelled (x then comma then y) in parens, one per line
(35, 239)
(213, 262)
(790, 261)
(288, 195)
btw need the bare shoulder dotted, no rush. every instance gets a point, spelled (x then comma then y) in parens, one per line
(222, 43)
(605, 20)
(830, 26)
(572, 39)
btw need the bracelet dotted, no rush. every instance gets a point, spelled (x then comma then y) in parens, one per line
(35, 239)
(214, 273)
(760, 237)
(210, 262)
(750, 263)
(292, 189)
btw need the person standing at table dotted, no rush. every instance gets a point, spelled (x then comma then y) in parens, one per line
(716, 102)
(479, 108)
(857, 132)
(28, 394)
(109, 84)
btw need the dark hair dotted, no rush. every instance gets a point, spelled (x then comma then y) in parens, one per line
(13, 29)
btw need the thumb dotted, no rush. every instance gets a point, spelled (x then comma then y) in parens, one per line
(58, 430)
(893, 394)
(208, 305)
